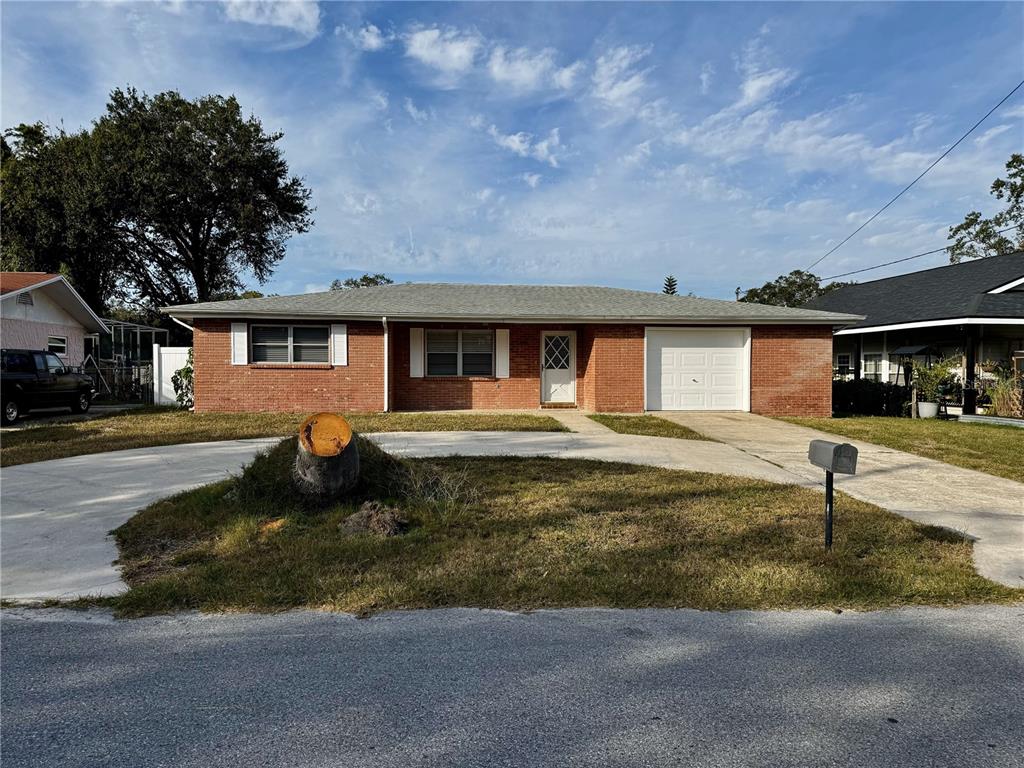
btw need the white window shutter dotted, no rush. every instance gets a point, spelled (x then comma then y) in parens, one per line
(416, 353)
(339, 344)
(501, 353)
(239, 344)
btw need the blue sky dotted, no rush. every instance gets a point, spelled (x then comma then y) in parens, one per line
(572, 143)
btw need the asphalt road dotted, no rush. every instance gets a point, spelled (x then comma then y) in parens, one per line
(922, 687)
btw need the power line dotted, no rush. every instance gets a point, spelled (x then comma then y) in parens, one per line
(920, 176)
(908, 258)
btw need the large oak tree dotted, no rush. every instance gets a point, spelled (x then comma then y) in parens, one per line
(175, 199)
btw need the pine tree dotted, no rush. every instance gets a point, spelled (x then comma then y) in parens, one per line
(670, 285)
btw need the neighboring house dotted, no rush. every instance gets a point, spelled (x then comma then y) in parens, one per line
(973, 310)
(446, 346)
(42, 311)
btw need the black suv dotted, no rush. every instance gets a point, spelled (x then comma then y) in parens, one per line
(33, 379)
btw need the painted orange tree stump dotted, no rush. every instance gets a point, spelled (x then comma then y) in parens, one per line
(327, 459)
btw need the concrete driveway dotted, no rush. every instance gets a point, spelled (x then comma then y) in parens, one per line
(988, 509)
(55, 515)
(886, 689)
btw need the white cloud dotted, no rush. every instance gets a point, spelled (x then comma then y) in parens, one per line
(1017, 111)
(449, 51)
(514, 142)
(617, 82)
(545, 150)
(640, 154)
(991, 133)
(366, 38)
(761, 80)
(379, 99)
(519, 68)
(532, 179)
(565, 77)
(419, 115)
(522, 144)
(707, 73)
(302, 16)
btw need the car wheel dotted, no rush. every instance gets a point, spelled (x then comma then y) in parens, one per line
(82, 402)
(11, 411)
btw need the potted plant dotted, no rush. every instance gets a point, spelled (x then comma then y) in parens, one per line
(929, 381)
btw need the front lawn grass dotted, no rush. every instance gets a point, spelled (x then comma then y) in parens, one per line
(523, 533)
(996, 450)
(146, 427)
(645, 425)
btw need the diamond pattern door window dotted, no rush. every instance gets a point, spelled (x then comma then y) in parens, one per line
(556, 353)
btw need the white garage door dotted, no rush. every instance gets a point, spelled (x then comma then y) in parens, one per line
(698, 369)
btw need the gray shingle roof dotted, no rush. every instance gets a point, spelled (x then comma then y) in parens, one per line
(509, 303)
(942, 293)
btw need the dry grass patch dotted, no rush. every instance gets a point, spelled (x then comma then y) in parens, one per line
(651, 426)
(990, 448)
(146, 427)
(531, 533)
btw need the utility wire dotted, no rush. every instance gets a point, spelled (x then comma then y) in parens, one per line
(908, 258)
(904, 190)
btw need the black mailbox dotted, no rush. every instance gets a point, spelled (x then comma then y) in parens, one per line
(833, 457)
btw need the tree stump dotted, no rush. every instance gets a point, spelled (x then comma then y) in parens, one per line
(327, 459)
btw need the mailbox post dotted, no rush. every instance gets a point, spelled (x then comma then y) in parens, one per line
(832, 457)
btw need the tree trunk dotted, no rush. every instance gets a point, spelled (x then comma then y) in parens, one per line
(327, 459)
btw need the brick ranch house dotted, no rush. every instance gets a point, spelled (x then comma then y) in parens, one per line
(415, 346)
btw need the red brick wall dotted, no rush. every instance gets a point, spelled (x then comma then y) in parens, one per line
(791, 370)
(520, 390)
(221, 386)
(791, 373)
(617, 359)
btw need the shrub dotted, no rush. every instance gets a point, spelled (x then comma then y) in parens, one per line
(863, 397)
(181, 380)
(932, 381)
(1007, 398)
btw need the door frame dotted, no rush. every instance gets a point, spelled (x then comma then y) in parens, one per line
(572, 363)
(747, 361)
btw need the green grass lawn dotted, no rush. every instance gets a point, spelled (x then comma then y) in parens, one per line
(167, 426)
(522, 533)
(990, 448)
(646, 425)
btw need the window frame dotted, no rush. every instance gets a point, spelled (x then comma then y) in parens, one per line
(63, 342)
(875, 361)
(291, 344)
(458, 353)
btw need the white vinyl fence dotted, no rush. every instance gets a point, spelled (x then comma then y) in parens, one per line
(166, 360)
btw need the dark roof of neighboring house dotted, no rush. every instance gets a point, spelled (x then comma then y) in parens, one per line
(942, 293)
(19, 281)
(506, 303)
(57, 289)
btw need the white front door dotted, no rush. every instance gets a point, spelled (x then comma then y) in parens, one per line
(698, 369)
(558, 367)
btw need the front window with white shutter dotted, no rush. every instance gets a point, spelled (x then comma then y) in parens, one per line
(290, 344)
(460, 353)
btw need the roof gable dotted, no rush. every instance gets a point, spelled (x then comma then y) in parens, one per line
(58, 290)
(19, 281)
(942, 293)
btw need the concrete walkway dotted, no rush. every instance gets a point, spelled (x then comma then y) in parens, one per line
(55, 515)
(989, 509)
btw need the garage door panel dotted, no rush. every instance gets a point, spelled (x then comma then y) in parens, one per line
(725, 401)
(722, 380)
(697, 369)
